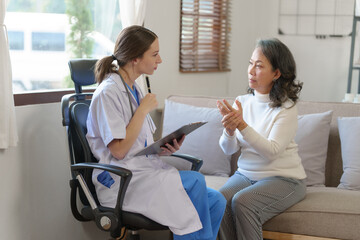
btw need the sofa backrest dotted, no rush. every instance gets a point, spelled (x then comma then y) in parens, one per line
(333, 166)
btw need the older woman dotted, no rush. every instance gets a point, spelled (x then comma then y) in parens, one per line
(263, 124)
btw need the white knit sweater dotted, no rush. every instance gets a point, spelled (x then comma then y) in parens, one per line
(267, 143)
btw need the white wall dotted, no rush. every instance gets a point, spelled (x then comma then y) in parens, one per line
(163, 17)
(322, 64)
(34, 176)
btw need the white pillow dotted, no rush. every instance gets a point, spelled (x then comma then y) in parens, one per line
(349, 131)
(204, 141)
(312, 138)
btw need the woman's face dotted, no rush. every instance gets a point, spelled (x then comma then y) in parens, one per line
(260, 72)
(148, 63)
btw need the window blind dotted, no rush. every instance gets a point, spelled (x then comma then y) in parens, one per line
(204, 36)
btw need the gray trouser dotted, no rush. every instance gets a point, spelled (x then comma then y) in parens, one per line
(251, 203)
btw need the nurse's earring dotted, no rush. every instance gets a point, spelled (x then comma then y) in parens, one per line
(274, 80)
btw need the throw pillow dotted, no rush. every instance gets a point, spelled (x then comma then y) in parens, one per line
(204, 141)
(312, 138)
(349, 131)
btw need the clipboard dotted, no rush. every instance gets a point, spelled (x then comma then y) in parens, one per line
(177, 134)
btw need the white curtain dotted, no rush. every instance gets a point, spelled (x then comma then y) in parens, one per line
(132, 12)
(104, 14)
(8, 130)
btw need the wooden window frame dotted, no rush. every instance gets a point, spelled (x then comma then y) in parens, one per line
(204, 36)
(42, 97)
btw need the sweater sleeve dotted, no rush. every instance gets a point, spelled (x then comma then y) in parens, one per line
(282, 132)
(229, 144)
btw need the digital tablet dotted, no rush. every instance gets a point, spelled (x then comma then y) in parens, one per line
(155, 148)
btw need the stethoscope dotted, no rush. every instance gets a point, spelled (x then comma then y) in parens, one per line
(131, 107)
(128, 93)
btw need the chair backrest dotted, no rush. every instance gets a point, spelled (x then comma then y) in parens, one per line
(75, 111)
(81, 151)
(78, 116)
(82, 72)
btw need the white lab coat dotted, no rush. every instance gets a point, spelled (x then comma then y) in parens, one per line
(155, 190)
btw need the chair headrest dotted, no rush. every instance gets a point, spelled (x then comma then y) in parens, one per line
(82, 71)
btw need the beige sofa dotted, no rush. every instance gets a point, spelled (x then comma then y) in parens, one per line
(327, 212)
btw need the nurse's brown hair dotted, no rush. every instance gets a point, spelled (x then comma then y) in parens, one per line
(131, 43)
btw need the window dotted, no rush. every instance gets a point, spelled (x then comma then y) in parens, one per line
(321, 18)
(16, 40)
(42, 39)
(204, 37)
(46, 41)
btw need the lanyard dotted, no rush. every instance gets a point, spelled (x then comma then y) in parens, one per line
(134, 93)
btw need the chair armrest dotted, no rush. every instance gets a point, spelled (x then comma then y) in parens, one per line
(196, 162)
(125, 175)
(113, 215)
(122, 172)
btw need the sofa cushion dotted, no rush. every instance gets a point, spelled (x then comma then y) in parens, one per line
(204, 141)
(349, 131)
(325, 212)
(312, 138)
(215, 182)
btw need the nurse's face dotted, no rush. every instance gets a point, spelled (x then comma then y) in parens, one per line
(260, 72)
(149, 62)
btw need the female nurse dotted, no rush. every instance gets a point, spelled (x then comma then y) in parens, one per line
(119, 125)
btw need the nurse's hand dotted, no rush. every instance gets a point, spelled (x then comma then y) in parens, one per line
(148, 103)
(172, 148)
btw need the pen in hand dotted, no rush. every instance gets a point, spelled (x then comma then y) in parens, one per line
(148, 84)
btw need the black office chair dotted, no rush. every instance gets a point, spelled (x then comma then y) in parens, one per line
(75, 109)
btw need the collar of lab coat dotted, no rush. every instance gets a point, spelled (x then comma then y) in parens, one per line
(117, 79)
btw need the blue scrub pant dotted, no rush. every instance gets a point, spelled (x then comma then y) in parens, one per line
(209, 203)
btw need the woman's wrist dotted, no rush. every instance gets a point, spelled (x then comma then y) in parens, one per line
(242, 126)
(141, 111)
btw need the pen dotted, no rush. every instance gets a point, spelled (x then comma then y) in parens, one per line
(148, 84)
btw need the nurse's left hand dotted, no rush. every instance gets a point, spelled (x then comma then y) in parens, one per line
(172, 148)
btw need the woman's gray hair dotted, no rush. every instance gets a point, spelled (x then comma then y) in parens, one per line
(280, 57)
